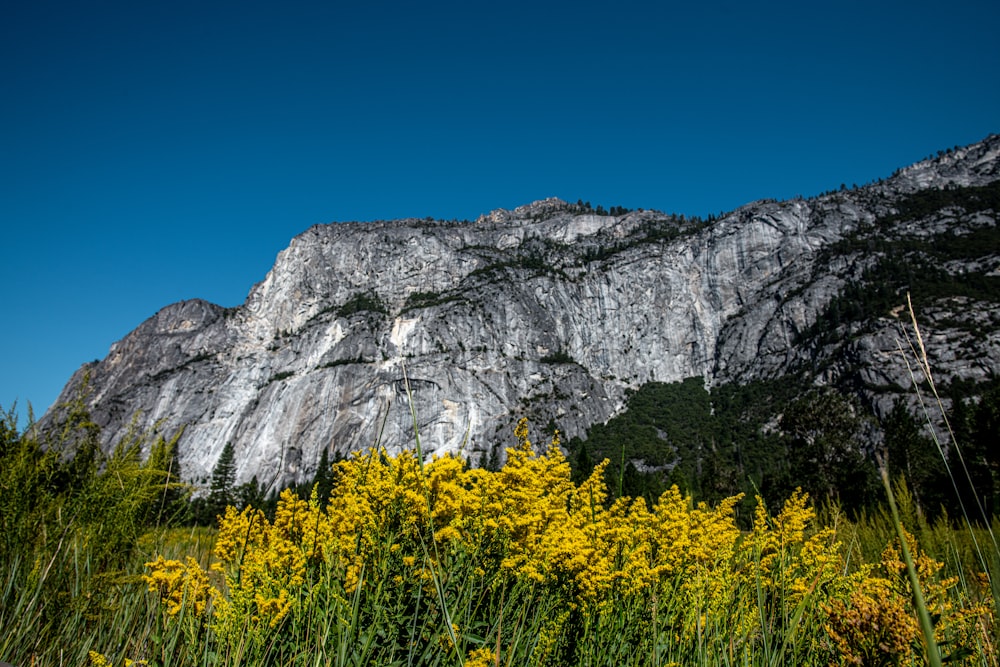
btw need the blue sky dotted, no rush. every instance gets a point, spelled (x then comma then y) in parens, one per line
(152, 152)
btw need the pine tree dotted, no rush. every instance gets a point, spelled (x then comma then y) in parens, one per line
(825, 431)
(324, 478)
(977, 427)
(222, 491)
(915, 456)
(250, 494)
(584, 465)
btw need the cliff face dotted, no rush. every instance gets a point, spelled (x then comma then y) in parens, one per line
(551, 310)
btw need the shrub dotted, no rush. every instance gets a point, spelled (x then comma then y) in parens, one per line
(437, 563)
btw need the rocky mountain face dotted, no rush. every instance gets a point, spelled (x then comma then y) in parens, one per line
(556, 311)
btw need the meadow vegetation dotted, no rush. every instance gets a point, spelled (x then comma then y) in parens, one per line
(435, 563)
(407, 560)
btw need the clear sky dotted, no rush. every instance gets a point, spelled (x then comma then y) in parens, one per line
(158, 151)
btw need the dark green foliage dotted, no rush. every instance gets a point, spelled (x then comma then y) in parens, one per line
(928, 202)
(30, 484)
(975, 418)
(172, 506)
(249, 494)
(560, 356)
(825, 438)
(718, 444)
(662, 230)
(912, 264)
(771, 437)
(419, 299)
(585, 207)
(491, 461)
(663, 431)
(323, 481)
(222, 492)
(362, 303)
(278, 377)
(885, 285)
(60, 482)
(71, 518)
(583, 463)
(913, 456)
(345, 362)
(532, 260)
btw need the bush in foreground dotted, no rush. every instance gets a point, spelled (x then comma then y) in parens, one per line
(439, 564)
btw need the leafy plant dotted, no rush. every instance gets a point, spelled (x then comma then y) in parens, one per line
(71, 519)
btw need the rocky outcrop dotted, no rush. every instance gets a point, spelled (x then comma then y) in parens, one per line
(363, 333)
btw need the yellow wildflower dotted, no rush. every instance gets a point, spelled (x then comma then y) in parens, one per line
(99, 660)
(874, 627)
(178, 583)
(481, 657)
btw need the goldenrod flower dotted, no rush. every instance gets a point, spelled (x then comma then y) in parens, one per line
(680, 572)
(178, 583)
(481, 657)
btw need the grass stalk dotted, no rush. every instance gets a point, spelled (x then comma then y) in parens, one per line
(435, 574)
(991, 565)
(933, 652)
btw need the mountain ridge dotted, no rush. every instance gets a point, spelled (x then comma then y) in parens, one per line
(552, 309)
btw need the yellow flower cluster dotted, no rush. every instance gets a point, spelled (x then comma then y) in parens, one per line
(961, 621)
(178, 583)
(874, 626)
(783, 554)
(396, 521)
(481, 657)
(100, 660)
(266, 564)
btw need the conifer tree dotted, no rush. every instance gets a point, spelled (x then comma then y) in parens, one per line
(324, 478)
(914, 456)
(222, 492)
(250, 494)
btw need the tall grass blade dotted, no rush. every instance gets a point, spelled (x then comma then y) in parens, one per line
(923, 616)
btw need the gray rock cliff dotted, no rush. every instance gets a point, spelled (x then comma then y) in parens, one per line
(551, 310)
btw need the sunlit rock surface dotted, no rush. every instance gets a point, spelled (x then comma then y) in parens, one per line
(552, 310)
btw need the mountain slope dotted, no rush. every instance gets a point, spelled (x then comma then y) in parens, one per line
(556, 311)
